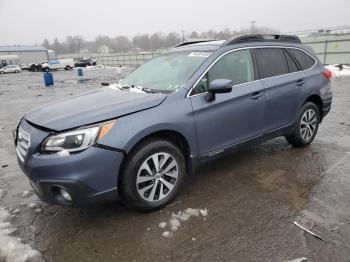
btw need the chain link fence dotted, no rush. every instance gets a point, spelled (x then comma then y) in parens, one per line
(131, 60)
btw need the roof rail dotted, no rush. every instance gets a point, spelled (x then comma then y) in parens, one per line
(194, 41)
(263, 38)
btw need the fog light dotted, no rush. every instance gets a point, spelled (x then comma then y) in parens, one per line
(65, 195)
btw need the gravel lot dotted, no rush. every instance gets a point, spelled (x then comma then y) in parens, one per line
(243, 205)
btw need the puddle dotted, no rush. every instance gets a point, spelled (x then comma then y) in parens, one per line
(281, 184)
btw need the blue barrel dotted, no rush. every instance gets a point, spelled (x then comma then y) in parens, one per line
(80, 71)
(48, 79)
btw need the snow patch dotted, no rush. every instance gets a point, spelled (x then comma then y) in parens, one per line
(177, 218)
(162, 224)
(63, 153)
(133, 89)
(336, 72)
(11, 248)
(166, 234)
(26, 193)
(32, 205)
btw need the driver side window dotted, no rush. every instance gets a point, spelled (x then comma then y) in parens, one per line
(236, 66)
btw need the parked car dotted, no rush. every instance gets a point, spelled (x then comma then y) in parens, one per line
(10, 69)
(55, 64)
(85, 62)
(199, 101)
(35, 67)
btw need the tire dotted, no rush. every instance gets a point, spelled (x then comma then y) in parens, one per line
(1, 72)
(306, 126)
(46, 69)
(141, 190)
(16, 71)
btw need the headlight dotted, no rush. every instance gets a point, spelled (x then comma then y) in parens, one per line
(78, 139)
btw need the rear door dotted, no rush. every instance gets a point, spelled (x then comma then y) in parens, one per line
(232, 117)
(283, 81)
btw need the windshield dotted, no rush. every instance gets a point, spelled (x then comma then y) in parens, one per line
(167, 72)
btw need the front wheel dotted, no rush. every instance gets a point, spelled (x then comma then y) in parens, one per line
(306, 126)
(152, 175)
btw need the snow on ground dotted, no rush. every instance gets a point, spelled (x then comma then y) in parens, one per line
(336, 72)
(11, 248)
(177, 218)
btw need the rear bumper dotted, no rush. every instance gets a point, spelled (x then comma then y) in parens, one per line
(326, 111)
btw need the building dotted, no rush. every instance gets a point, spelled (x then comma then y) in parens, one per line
(103, 49)
(23, 54)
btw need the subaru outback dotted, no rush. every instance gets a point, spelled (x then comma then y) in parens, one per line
(139, 138)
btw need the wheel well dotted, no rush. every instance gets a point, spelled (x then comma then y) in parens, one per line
(172, 136)
(318, 102)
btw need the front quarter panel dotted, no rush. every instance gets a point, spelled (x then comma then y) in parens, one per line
(174, 114)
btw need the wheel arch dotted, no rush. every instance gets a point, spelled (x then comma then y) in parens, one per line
(316, 99)
(171, 135)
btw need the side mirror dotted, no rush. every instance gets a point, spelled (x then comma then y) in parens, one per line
(218, 86)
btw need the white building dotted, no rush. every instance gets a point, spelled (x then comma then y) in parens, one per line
(103, 49)
(23, 54)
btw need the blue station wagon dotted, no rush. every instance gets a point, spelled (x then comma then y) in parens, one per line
(138, 139)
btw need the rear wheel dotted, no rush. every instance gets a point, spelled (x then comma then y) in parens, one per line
(306, 127)
(152, 175)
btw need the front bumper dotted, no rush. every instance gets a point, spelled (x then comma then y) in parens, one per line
(88, 176)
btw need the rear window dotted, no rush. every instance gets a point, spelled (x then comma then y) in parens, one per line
(271, 62)
(304, 60)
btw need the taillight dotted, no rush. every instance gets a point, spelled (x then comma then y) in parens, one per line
(327, 74)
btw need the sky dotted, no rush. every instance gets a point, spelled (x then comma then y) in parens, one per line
(31, 21)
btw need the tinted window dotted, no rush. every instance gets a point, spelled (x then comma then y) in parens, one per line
(271, 62)
(291, 64)
(236, 66)
(304, 60)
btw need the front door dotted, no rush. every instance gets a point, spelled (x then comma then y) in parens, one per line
(232, 117)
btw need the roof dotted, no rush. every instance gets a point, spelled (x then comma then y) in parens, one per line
(22, 48)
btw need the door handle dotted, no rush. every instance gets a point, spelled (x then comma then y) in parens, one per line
(300, 82)
(256, 95)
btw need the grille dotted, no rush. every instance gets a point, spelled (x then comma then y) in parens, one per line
(23, 143)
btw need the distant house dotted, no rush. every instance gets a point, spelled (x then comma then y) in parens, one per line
(103, 49)
(24, 54)
(83, 51)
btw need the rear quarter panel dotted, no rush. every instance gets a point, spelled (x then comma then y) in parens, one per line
(317, 84)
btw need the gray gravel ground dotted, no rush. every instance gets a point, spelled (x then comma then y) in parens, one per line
(252, 196)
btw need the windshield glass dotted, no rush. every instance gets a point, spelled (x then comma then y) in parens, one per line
(167, 72)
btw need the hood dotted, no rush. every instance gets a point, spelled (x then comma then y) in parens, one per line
(91, 107)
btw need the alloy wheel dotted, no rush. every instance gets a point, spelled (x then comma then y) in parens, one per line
(308, 124)
(157, 177)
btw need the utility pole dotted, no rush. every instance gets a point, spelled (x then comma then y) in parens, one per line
(183, 35)
(253, 26)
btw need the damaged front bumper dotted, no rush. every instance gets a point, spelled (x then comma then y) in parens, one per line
(87, 176)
